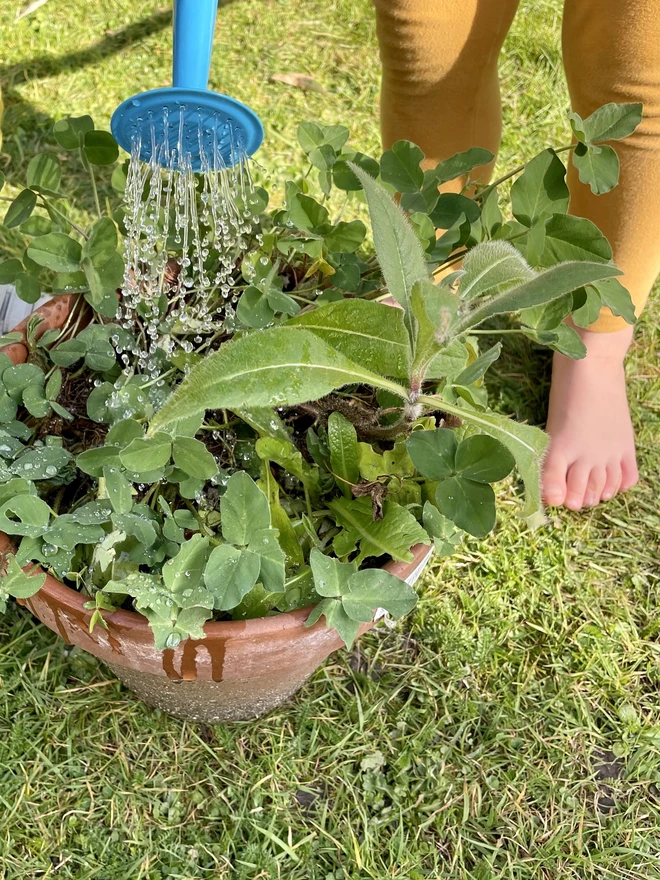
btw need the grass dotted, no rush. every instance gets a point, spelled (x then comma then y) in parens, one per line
(510, 729)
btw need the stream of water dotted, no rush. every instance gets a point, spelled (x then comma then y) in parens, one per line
(184, 235)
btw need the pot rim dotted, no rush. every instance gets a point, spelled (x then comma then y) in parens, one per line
(55, 313)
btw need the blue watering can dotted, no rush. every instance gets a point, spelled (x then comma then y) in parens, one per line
(188, 120)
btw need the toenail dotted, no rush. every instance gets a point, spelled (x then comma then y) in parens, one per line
(606, 496)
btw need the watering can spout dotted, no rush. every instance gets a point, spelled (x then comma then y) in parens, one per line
(186, 123)
(193, 24)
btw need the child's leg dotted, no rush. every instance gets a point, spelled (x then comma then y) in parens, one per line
(611, 53)
(440, 84)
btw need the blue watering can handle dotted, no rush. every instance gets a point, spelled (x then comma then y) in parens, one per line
(194, 23)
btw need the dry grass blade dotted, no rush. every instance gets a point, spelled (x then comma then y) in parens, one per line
(299, 81)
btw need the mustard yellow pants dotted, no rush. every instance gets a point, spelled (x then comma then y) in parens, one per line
(441, 90)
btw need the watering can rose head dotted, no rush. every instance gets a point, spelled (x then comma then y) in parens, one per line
(229, 422)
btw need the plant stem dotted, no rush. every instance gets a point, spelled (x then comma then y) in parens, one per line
(62, 216)
(308, 502)
(491, 332)
(88, 167)
(480, 197)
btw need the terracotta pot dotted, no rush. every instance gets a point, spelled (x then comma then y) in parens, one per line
(241, 670)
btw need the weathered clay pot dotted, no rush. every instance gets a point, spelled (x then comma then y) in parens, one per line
(239, 671)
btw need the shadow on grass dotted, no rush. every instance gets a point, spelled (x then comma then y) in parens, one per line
(28, 129)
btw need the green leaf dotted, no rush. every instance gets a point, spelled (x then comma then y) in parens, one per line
(562, 338)
(244, 510)
(65, 532)
(253, 309)
(400, 167)
(393, 535)
(147, 454)
(307, 214)
(456, 236)
(67, 353)
(469, 504)
(550, 285)
(615, 296)
(483, 459)
(9, 270)
(433, 452)
(120, 491)
(258, 603)
(331, 577)
(398, 249)
(54, 385)
(285, 454)
(41, 463)
(8, 406)
(612, 122)
(434, 310)
(279, 519)
(478, 368)
(69, 133)
(450, 207)
(282, 365)
(19, 584)
(35, 402)
(44, 173)
(491, 215)
(344, 456)
(100, 148)
(56, 251)
(183, 574)
(20, 209)
(27, 288)
(527, 445)
(346, 237)
(92, 513)
(335, 618)
(312, 135)
(230, 574)
(24, 515)
(193, 457)
(93, 461)
(573, 238)
(461, 164)
(491, 267)
(597, 166)
(264, 543)
(371, 334)
(111, 274)
(586, 306)
(136, 525)
(446, 536)
(541, 189)
(374, 588)
(102, 242)
(424, 229)
(549, 316)
(17, 378)
(344, 178)
(265, 422)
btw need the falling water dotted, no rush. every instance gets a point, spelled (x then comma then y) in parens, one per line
(185, 233)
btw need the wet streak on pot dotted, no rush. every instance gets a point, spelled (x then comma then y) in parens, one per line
(188, 668)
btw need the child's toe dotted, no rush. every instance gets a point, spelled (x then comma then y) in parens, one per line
(576, 485)
(595, 485)
(612, 481)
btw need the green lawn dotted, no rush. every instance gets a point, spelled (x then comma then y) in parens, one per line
(509, 729)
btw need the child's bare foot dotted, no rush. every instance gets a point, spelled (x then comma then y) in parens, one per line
(592, 450)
